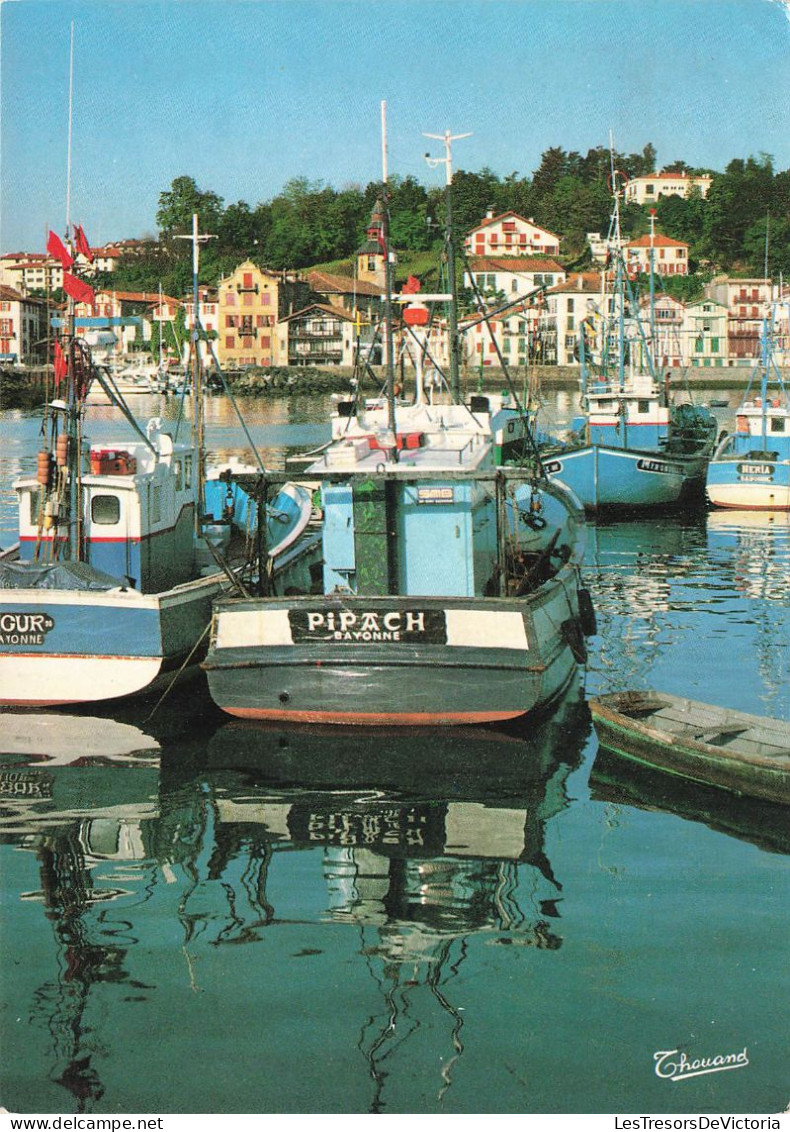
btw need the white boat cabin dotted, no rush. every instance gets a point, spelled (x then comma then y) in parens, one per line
(138, 505)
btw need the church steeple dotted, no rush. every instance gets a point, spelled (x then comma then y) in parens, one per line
(371, 256)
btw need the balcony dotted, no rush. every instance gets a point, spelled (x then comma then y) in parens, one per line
(314, 334)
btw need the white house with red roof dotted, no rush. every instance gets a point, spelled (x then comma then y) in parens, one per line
(518, 334)
(512, 276)
(141, 306)
(670, 257)
(583, 297)
(667, 321)
(509, 234)
(647, 190)
(31, 271)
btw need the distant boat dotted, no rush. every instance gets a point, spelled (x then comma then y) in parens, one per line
(715, 746)
(750, 469)
(630, 449)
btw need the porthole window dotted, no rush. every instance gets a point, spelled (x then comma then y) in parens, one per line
(105, 510)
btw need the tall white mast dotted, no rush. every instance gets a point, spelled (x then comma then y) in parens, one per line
(447, 138)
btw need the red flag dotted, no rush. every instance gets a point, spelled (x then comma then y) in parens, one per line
(61, 365)
(58, 250)
(411, 286)
(82, 243)
(77, 289)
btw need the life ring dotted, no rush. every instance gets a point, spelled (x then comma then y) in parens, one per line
(611, 180)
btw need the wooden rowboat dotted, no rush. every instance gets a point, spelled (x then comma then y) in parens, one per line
(744, 754)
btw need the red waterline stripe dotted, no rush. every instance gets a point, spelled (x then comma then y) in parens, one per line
(374, 719)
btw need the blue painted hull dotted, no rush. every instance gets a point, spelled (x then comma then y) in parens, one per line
(606, 478)
(67, 647)
(749, 483)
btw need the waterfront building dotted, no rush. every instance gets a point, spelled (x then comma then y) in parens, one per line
(22, 326)
(706, 333)
(349, 294)
(509, 234)
(512, 276)
(670, 257)
(251, 300)
(667, 320)
(745, 301)
(647, 190)
(319, 335)
(582, 297)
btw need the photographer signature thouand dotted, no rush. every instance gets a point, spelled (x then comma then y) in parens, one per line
(674, 1065)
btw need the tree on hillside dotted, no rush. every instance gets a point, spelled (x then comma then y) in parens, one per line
(683, 219)
(243, 231)
(176, 206)
(474, 194)
(737, 198)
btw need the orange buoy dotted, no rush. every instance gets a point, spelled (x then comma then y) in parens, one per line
(44, 470)
(62, 450)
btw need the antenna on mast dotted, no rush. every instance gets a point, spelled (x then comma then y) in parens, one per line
(68, 146)
(447, 138)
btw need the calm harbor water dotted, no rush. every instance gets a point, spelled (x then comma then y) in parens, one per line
(203, 915)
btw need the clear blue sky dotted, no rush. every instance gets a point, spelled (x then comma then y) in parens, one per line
(243, 95)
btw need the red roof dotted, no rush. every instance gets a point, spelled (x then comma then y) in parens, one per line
(584, 282)
(326, 308)
(135, 296)
(322, 281)
(9, 294)
(515, 264)
(489, 220)
(658, 241)
(28, 256)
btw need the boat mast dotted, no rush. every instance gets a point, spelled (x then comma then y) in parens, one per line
(447, 138)
(161, 321)
(198, 420)
(388, 338)
(653, 343)
(72, 400)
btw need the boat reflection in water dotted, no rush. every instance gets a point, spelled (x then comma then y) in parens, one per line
(420, 842)
(762, 823)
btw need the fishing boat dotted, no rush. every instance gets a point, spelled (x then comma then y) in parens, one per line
(731, 750)
(109, 590)
(630, 449)
(449, 589)
(750, 469)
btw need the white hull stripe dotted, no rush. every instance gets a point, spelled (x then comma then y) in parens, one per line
(768, 496)
(466, 628)
(53, 679)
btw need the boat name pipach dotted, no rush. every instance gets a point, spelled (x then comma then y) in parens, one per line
(24, 628)
(368, 626)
